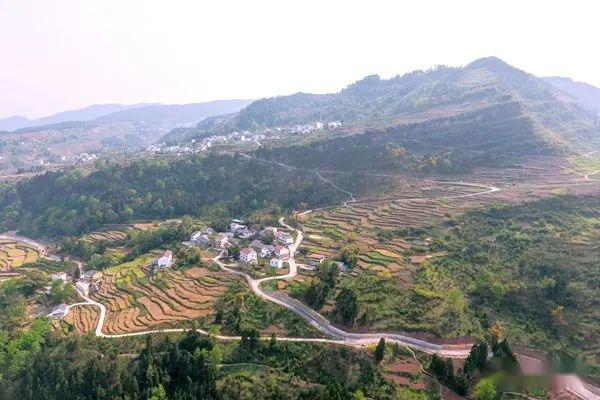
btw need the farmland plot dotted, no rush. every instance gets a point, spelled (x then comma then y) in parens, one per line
(137, 300)
(13, 254)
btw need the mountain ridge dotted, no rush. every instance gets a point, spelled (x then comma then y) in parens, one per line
(112, 113)
(80, 114)
(442, 90)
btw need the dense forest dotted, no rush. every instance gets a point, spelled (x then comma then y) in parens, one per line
(195, 367)
(69, 203)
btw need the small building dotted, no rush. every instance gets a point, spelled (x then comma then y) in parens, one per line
(164, 261)
(59, 312)
(248, 255)
(59, 276)
(221, 239)
(281, 252)
(208, 231)
(269, 231)
(315, 259)
(267, 251)
(246, 233)
(236, 227)
(83, 287)
(200, 238)
(91, 276)
(284, 238)
(276, 263)
(195, 236)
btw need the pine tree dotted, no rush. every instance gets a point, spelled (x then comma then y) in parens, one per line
(380, 351)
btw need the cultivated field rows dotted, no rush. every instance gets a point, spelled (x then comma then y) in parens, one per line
(137, 301)
(425, 203)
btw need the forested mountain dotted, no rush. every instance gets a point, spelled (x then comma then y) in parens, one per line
(423, 95)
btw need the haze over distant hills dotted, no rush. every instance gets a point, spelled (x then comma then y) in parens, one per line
(111, 113)
(82, 114)
(585, 93)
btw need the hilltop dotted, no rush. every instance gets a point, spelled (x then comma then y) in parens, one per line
(557, 121)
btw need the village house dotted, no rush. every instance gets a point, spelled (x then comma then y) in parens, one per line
(246, 233)
(208, 231)
(91, 276)
(83, 287)
(268, 231)
(281, 252)
(284, 238)
(315, 259)
(248, 255)
(59, 276)
(264, 250)
(267, 251)
(59, 312)
(276, 263)
(222, 239)
(164, 261)
(201, 239)
(236, 225)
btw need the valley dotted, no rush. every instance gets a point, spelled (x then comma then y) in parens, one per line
(439, 213)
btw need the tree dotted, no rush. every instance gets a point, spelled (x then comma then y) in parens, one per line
(380, 350)
(477, 358)
(486, 390)
(234, 251)
(157, 393)
(347, 305)
(328, 273)
(349, 256)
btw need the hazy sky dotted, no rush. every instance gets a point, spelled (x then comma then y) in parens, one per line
(61, 54)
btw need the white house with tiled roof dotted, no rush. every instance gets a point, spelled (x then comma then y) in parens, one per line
(281, 252)
(248, 255)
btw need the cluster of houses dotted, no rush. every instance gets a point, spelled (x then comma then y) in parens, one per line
(86, 284)
(242, 136)
(277, 253)
(276, 249)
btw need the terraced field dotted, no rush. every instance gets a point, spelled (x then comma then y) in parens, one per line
(116, 233)
(365, 223)
(13, 254)
(83, 319)
(138, 301)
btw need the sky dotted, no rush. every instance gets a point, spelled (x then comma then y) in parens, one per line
(65, 54)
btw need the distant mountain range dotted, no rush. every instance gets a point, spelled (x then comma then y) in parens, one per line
(112, 113)
(588, 95)
(82, 114)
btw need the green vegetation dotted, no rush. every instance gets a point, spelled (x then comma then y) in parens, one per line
(533, 268)
(240, 311)
(195, 367)
(317, 291)
(155, 188)
(481, 375)
(20, 338)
